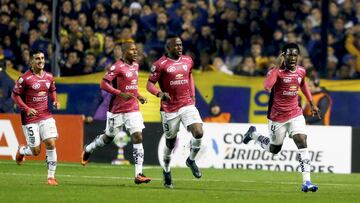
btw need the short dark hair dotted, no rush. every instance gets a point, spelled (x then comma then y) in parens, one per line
(34, 52)
(169, 37)
(126, 44)
(290, 46)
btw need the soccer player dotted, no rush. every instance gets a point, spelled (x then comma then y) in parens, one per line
(284, 111)
(177, 92)
(31, 94)
(122, 82)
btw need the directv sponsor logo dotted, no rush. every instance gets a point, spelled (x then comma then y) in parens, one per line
(290, 93)
(178, 82)
(131, 87)
(39, 99)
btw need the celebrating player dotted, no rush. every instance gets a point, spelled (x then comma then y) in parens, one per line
(284, 111)
(31, 94)
(122, 82)
(177, 93)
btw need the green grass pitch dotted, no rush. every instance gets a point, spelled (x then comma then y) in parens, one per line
(107, 183)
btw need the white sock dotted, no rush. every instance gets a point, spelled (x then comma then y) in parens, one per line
(51, 160)
(264, 142)
(25, 150)
(255, 135)
(304, 159)
(96, 143)
(138, 154)
(167, 158)
(195, 147)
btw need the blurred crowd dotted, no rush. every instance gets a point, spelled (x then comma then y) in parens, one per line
(241, 37)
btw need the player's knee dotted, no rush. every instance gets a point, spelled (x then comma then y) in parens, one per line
(197, 132)
(300, 141)
(107, 139)
(50, 143)
(275, 149)
(170, 143)
(137, 138)
(36, 151)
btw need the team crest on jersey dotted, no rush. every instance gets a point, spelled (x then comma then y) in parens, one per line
(36, 86)
(129, 74)
(153, 68)
(133, 82)
(185, 67)
(171, 69)
(47, 85)
(20, 80)
(299, 80)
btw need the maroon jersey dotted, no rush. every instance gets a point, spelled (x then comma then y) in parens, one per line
(124, 78)
(284, 100)
(174, 77)
(34, 91)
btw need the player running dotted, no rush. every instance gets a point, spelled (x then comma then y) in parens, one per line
(177, 92)
(284, 111)
(31, 94)
(122, 82)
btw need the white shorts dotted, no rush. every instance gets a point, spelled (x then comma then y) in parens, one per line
(292, 127)
(133, 122)
(42, 130)
(187, 115)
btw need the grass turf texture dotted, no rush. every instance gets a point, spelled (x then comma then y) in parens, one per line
(107, 183)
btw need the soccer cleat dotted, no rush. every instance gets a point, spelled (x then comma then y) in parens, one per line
(308, 186)
(20, 158)
(248, 134)
(52, 181)
(167, 179)
(194, 168)
(85, 157)
(141, 178)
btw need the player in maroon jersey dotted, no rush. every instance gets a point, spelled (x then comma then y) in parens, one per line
(284, 111)
(177, 92)
(31, 94)
(122, 82)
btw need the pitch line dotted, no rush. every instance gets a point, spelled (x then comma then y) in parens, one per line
(160, 179)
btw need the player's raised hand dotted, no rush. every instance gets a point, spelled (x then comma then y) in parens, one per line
(164, 96)
(31, 112)
(126, 95)
(56, 105)
(142, 99)
(280, 60)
